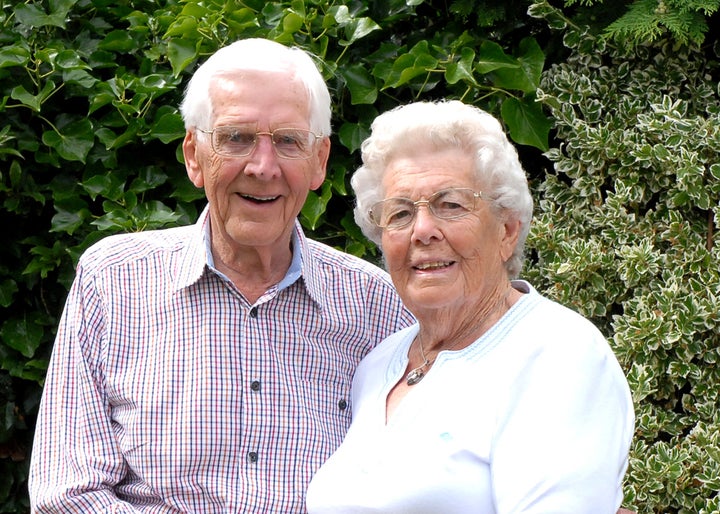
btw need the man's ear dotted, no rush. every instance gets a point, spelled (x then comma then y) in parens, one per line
(323, 154)
(192, 166)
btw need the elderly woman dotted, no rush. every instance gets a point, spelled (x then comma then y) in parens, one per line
(498, 400)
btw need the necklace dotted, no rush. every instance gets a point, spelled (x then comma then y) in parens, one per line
(415, 375)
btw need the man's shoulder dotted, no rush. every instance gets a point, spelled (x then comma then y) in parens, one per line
(332, 258)
(119, 249)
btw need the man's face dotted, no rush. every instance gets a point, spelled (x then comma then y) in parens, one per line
(255, 199)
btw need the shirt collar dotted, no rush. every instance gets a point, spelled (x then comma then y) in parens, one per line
(198, 259)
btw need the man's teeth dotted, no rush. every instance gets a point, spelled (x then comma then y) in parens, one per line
(433, 265)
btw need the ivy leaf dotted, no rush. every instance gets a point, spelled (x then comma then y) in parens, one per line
(106, 186)
(68, 220)
(34, 102)
(22, 334)
(462, 70)
(352, 135)
(117, 41)
(148, 178)
(80, 77)
(315, 205)
(338, 179)
(185, 191)
(418, 61)
(239, 20)
(33, 16)
(292, 23)
(169, 127)
(13, 55)
(492, 57)
(526, 76)
(8, 288)
(358, 29)
(72, 142)
(361, 84)
(526, 122)
(153, 215)
(181, 53)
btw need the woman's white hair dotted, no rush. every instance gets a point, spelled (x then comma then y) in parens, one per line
(442, 125)
(256, 54)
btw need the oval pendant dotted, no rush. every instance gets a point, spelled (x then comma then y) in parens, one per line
(414, 377)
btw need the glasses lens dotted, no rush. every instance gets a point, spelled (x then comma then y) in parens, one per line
(393, 212)
(452, 203)
(293, 143)
(236, 141)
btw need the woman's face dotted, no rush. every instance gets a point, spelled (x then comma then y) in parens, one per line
(437, 263)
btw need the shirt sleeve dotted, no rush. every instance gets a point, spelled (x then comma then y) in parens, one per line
(562, 443)
(75, 459)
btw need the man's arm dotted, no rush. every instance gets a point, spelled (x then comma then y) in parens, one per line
(75, 459)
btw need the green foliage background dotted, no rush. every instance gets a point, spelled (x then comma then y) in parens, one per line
(617, 123)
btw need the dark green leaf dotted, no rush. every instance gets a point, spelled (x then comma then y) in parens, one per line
(118, 41)
(68, 221)
(32, 16)
(72, 142)
(168, 128)
(357, 29)
(361, 84)
(8, 288)
(352, 135)
(35, 102)
(106, 186)
(181, 53)
(462, 70)
(315, 205)
(22, 334)
(526, 77)
(13, 55)
(526, 122)
(492, 57)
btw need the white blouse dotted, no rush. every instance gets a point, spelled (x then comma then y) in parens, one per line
(534, 417)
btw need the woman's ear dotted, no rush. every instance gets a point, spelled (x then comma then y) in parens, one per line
(510, 239)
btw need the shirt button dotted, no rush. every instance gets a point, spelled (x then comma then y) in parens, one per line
(255, 385)
(253, 312)
(252, 457)
(342, 405)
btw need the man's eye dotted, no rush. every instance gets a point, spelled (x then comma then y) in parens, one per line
(240, 138)
(286, 139)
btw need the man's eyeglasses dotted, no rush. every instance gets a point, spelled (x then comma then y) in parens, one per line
(448, 204)
(240, 140)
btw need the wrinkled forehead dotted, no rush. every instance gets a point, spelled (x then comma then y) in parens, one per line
(251, 89)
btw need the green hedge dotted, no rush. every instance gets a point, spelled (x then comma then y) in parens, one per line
(628, 233)
(627, 220)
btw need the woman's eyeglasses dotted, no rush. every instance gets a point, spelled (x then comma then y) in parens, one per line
(447, 204)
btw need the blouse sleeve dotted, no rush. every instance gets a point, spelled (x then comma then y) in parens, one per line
(563, 437)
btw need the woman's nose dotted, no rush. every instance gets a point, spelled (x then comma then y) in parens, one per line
(425, 226)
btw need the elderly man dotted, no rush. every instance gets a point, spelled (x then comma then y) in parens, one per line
(207, 368)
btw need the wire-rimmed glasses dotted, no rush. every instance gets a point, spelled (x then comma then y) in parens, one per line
(447, 204)
(240, 141)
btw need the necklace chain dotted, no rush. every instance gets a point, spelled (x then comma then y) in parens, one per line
(415, 375)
